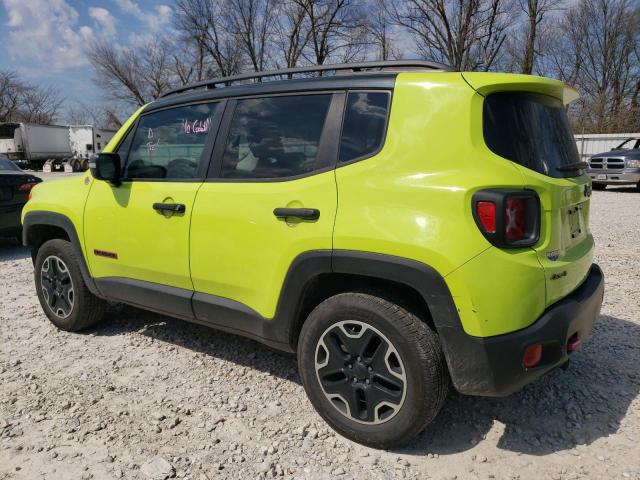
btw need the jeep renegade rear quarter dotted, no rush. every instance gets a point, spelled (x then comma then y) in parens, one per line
(394, 229)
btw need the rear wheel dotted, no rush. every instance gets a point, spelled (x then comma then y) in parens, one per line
(372, 370)
(63, 295)
(599, 186)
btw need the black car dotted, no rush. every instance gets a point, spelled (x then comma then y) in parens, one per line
(620, 166)
(15, 185)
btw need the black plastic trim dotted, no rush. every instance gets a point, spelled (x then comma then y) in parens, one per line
(499, 198)
(493, 366)
(306, 213)
(164, 299)
(34, 218)
(364, 67)
(379, 80)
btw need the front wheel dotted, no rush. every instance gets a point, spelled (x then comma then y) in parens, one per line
(63, 295)
(372, 370)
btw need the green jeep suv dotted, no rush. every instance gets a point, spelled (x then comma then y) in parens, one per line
(398, 225)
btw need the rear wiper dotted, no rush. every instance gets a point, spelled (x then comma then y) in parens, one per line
(573, 166)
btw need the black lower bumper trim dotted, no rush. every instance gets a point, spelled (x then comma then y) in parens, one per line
(493, 366)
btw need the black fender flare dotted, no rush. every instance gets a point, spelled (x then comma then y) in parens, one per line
(424, 279)
(417, 275)
(36, 218)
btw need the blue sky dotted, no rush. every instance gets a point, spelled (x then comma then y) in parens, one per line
(44, 40)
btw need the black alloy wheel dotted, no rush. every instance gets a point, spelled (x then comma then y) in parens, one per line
(57, 286)
(360, 372)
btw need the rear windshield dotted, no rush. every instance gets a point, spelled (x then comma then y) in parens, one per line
(6, 164)
(531, 130)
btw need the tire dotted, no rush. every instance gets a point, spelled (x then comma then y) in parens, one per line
(599, 186)
(63, 295)
(408, 374)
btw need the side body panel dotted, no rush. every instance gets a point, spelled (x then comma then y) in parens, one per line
(149, 245)
(67, 196)
(241, 251)
(413, 200)
(565, 248)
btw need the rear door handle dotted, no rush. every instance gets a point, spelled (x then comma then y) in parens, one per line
(305, 213)
(170, 207)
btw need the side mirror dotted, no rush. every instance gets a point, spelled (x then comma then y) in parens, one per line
(106, 166)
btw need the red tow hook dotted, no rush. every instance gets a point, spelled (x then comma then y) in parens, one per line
(573, 343)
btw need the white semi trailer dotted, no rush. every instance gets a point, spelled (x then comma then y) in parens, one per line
(86, 140)
(31, 145)
(52, 146)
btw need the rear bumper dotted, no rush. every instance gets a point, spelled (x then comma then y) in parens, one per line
(493, 366)
(627, 176)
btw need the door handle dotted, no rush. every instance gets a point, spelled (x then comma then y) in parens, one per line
(170, 207)
(305, 213)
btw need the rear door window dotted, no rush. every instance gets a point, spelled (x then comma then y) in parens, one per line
(169, 144)
(275, 137)
(365, 121)
(531, 130)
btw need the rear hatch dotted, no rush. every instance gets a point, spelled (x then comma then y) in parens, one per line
(524, 121)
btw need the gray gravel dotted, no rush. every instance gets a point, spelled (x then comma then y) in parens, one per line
(144, 395)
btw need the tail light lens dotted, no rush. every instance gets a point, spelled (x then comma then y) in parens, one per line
(26, 187)
(508, 218)
(487, 215)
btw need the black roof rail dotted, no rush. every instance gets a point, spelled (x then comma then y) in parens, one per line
(392, 65)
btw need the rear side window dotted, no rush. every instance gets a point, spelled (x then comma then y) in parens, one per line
(365, 120)
(168, 144)
(532, 130)
(275, 137)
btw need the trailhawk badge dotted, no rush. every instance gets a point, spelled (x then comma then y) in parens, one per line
(553, 255)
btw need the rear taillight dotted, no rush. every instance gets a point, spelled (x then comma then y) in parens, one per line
(26, 187)
(515, 219)
(508, 218)
(487, 215)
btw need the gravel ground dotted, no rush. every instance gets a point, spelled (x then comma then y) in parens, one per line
(144, 396)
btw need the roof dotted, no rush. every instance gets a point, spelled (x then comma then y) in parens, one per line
(352, 75)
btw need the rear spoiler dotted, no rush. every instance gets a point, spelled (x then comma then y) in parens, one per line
(569, 95)
(485, 83)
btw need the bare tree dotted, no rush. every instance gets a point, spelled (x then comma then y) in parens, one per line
(101, 116)
(596, 50)
(536, 12)
(203, 22)
(379, 27)
(293, 33)
(136, 75)
(466, 34)
(252, 22)
(41, 104)
(11, 91)
(21, 101)
(118, 73)
(337, 29)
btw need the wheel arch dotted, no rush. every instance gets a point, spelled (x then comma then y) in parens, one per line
(39, 227)
(413, 285)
